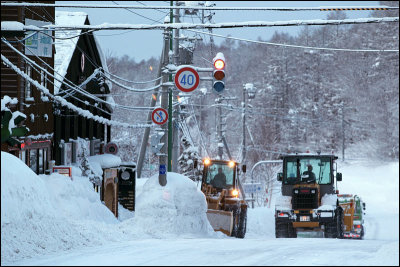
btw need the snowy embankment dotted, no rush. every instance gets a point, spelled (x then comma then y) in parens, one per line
(42, 214)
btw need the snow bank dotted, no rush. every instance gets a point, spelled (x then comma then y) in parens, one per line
(178, 208)
(42, 214)
(51, 213)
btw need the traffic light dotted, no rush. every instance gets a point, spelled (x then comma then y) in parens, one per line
(219, 73)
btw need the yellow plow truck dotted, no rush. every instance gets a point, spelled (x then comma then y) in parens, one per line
(353, 207)
(226, 207)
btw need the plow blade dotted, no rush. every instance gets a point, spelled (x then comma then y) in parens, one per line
(221, 220)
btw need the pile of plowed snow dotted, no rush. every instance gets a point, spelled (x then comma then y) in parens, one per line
(50, 213)
(178, 208)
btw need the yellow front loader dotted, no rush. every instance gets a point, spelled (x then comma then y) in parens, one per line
(226, 208)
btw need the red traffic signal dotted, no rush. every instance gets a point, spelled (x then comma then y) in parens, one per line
(219, 61)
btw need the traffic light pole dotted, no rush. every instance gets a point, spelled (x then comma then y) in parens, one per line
(219, 130)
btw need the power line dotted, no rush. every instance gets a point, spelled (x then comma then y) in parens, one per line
(320, 8)
(296, 46)
(84, 113)
(170, 26)
(74, 87)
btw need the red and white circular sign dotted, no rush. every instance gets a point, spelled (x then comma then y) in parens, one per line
(159, 116)
(187, 79)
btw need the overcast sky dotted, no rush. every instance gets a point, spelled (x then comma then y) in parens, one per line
(144, 44)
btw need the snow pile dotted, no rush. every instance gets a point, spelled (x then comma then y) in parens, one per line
(178, 208)
(42, 214)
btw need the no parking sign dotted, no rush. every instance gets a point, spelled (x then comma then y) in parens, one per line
(159, 116)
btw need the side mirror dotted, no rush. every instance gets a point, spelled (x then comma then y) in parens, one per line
(195, 164)
(338, 176)
(279, 176)
(363, 204)
(243, 168)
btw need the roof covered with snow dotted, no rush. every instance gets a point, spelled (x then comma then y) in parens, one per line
(65, 47)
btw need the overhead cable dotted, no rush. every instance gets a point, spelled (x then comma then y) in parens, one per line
(74, 87)
(297, 46)
(320, 8)
(84, 113)
(183, 26)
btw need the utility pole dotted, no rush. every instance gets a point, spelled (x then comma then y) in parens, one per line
(170, 130)
(163, 156)
(244, 125)
(145, 139)
(343, 137)
(219, 128)
(175, 131)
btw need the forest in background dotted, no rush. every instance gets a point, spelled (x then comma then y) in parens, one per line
(305, 99)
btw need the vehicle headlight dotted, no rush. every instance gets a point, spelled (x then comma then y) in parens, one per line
(235, 193)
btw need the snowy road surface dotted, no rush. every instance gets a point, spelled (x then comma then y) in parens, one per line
(249, 251)
(51, 220)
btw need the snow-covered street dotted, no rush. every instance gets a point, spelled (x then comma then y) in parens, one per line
(96, 238)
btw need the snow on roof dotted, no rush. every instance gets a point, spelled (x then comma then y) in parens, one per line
(99, 162)
(8, 100)
(12, 26)
(65, 47)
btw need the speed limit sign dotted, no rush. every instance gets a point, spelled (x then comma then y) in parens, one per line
(187, 79)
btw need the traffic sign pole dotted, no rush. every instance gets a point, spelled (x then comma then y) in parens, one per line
(163, 156)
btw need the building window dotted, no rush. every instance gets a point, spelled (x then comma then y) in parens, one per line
(22, 155)
(28, 89)
(33, 160)
(41, 161)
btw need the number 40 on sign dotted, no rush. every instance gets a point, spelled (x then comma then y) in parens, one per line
(187, 79)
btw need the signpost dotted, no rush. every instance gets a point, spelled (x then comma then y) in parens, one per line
(252, 188)
(159, 116)
(187, 79)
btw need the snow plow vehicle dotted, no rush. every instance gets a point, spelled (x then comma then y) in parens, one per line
(309, 200)
(353, 207)
(226, 207)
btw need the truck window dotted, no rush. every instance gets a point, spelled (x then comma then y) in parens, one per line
(213, 170)
(296, 167)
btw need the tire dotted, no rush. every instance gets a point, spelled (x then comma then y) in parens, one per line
(281, 230)
(291, 231)
(335, 229)
(241, 231)
(236, 219)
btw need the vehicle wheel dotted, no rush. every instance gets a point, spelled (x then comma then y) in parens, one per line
(281, 230)
(292, 233)
(241, 232)
(335, 228)
(340, 223)
(362, 232)
(236, 217)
